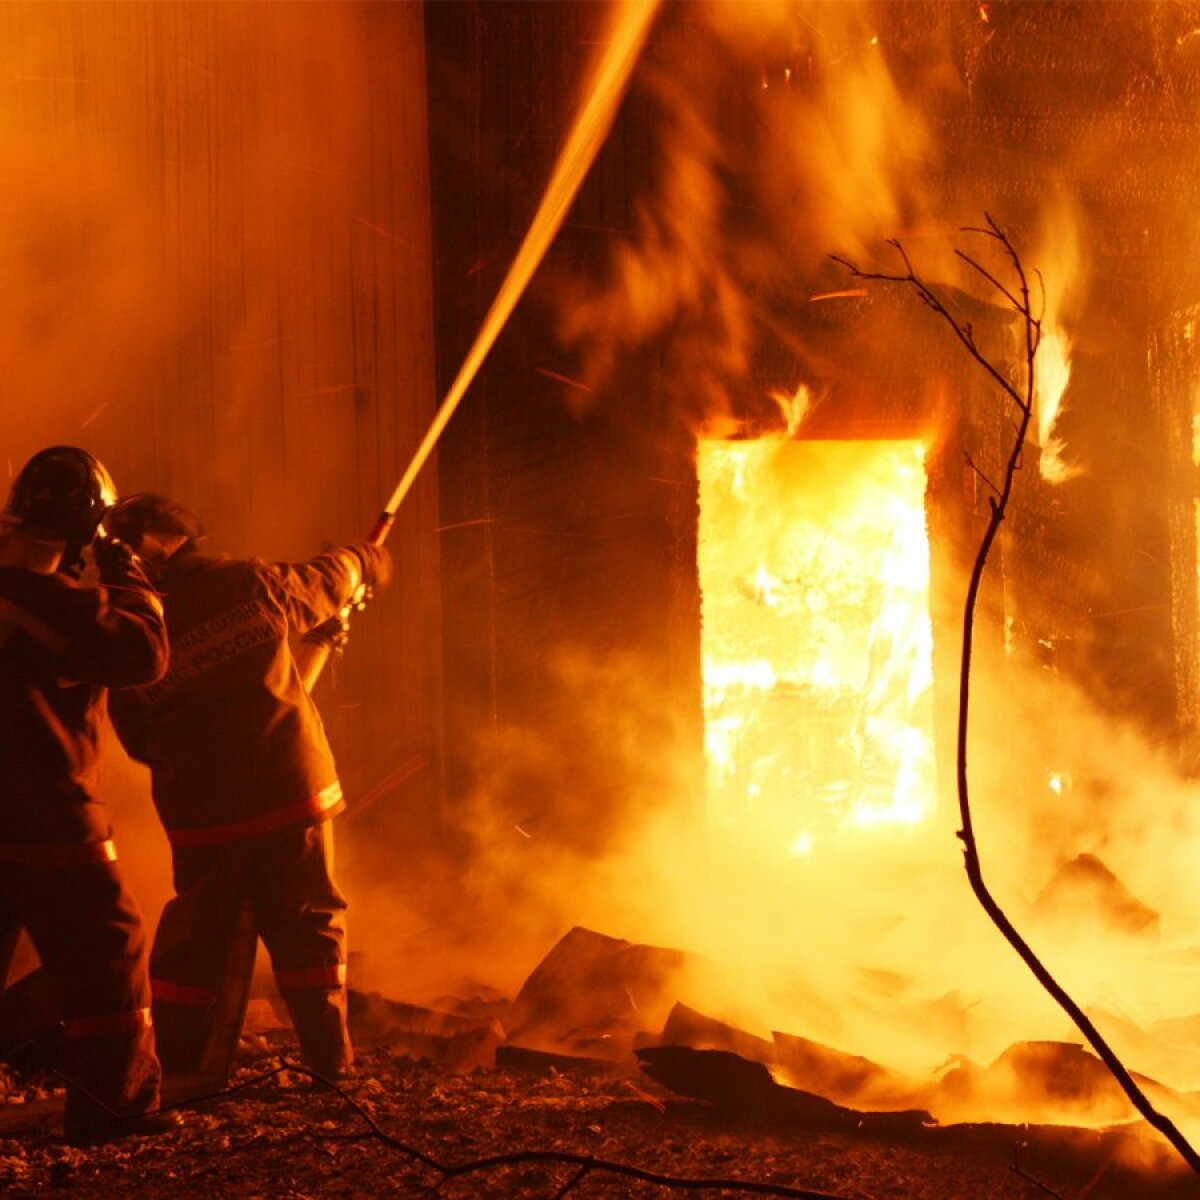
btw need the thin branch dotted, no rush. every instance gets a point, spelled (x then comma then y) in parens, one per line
(980, 269)
(1019, 300)
(1019, 1171)
(571, 1183)
(980, 472)
(961, 331)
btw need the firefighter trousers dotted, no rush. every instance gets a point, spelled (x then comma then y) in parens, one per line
(286, 882)
(87, 930)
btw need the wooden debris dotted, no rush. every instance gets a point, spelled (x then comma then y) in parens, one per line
(847, 1078)
(460, 1042)
(687, 1027)
(1083, 891)
(592, 994)
(746, 1088)
(1044, 1081)
(544, 1062)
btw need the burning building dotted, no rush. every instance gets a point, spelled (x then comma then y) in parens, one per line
(674, 648)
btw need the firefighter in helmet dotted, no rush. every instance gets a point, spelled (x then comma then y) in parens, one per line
(243, 780)
(61, 646)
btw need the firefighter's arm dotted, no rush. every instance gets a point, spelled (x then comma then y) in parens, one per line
(116, 636)
(317, 591)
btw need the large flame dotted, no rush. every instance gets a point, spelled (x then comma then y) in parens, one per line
(1052, 374)
(814, 567)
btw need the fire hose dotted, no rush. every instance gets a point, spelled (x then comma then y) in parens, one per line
(592, 123)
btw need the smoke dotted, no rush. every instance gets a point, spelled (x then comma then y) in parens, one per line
(870, 942)
(186, 188)
(783, 137)
(81, 325)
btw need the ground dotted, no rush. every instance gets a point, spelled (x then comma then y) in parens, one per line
(279, 1138)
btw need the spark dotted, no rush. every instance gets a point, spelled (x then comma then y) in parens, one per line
(1124, 612)
(94, 415)
(846, 294)
(575, 383)
(466, 524)
(391, 237)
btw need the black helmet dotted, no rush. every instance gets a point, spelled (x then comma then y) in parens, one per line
(147, 512)
(62, 491)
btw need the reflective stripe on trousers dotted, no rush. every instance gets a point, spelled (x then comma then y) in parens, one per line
(333, 976)
(108, 1023)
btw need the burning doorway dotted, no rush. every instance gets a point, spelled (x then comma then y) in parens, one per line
(817, 641)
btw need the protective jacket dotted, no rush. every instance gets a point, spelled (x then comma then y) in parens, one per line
(61, 645)
(235, 745)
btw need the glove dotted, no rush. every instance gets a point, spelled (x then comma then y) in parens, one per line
(334, 633)
(376, 565)
(113, 557)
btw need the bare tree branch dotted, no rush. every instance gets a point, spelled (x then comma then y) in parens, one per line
(1019, 302)
(575, 1179)
(1021, 1173)
(980, 472)
(961, 330)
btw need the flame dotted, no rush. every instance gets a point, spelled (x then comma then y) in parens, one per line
(817, 646)
(1052, 374)
(794, 407)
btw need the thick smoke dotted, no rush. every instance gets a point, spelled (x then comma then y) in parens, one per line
(783, 137)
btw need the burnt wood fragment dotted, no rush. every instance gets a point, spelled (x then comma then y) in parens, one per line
(1085, 890)
(846, 1078)
(544, 1062)
(592, 994)
(738, 1086)
(687, 1027)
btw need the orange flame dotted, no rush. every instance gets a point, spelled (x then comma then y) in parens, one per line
(1052, 375)
(794, 407)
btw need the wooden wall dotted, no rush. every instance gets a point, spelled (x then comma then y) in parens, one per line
(569, 569)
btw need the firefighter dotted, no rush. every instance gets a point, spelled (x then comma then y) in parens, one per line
(61, 646)
(243, 780)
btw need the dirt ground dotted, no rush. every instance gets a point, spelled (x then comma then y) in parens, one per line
(277, 1137)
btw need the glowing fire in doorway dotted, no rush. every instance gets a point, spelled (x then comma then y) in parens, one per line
(817, 646)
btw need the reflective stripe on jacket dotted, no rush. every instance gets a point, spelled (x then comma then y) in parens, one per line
(33, 854)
